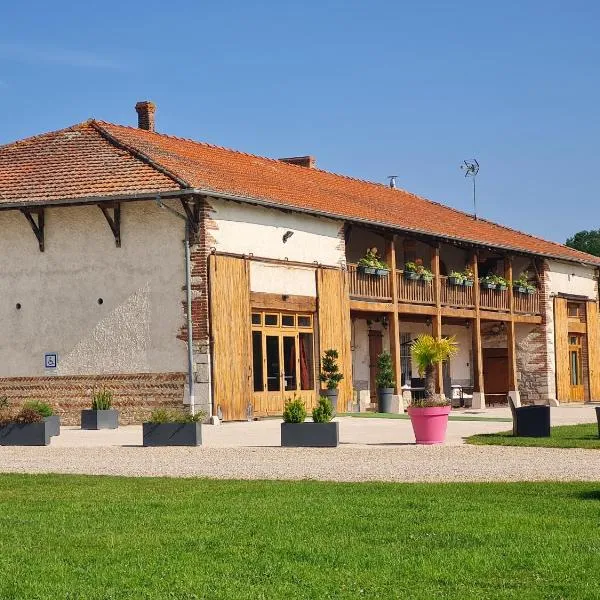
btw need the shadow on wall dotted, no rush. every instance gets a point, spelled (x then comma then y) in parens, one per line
(117, 344)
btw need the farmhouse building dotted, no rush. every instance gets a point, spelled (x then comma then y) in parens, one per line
(93, 282)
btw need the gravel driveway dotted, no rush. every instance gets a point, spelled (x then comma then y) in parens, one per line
(370, 450)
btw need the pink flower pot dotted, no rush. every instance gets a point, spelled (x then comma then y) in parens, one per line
(429, 424)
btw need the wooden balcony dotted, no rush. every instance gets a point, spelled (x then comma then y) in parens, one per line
(378, 289)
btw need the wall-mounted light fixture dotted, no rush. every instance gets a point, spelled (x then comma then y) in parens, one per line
(385, 321)
(287, 235)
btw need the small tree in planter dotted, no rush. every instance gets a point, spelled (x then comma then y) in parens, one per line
(25, 428)
(371, 264)
(330, 375)
(101, 415)
(385, 382)
(170, 428)
(429, 416)
(47, 413)
(297, 433)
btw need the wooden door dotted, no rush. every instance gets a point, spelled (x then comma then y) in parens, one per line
(593, 346)
(561, 344)
(230, 329)
(495, 374)
(375, 349)
(576, 387)
(334, 325)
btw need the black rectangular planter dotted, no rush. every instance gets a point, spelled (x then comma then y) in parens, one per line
(598, 418)
(99, 419)
(172, 434)
(25, 434)
(53, 424)
(310, 435)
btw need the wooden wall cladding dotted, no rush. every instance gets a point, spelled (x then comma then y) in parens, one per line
(334, 325)
(593, 345)
(561, 350)
(231, 337)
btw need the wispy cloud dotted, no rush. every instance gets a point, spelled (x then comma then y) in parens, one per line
(60, 56)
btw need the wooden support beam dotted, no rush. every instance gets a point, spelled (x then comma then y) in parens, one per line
(510, 330)
(437, 318)
(393, 316)
(113, 220)
(478, 385)
(37, 226)
(192, 211)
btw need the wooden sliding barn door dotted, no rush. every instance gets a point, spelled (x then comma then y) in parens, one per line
(230, 329)
(334, 325)
(593, 346)
(561, 350)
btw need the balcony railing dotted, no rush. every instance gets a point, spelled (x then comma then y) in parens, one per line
(378, 289)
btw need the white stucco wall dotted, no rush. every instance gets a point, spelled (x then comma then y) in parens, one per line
(280, 279)
(571, 278)
(245, 229)
(134, 329)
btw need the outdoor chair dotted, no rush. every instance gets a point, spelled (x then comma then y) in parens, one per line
(530, 421)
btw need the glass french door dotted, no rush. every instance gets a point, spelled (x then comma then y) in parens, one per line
(577, 391)
(282, 360)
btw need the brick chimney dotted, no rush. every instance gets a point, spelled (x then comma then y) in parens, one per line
(310, 162)
(145, 111)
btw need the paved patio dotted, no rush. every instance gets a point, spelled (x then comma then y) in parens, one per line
(371, 449)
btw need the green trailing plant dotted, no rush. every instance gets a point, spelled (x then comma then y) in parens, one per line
(43, 408)
(385, 371)
(161, 415)
(426, 274)
(294, 410)
(427, 352)
(460, 277)
(411, 267)
(330, 372)
(323, 412)
(102, 400)
(371, 259)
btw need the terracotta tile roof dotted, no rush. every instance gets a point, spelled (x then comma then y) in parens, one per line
(73, 163)
(102, 159)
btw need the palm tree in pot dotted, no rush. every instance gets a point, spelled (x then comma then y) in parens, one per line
(330, 375)
(429, 416)
(385, 382)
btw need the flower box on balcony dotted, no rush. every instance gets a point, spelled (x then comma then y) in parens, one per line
(455, 280)
(501, 287)
(521, 289)
(367, 270)
(468, 283)
(383, 272)
(488, 285)
(411, 275)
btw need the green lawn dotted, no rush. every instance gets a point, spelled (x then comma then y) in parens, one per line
(88, 538)
(451, 417)
(563, 436)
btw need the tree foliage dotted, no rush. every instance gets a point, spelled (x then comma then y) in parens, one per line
(586, 241)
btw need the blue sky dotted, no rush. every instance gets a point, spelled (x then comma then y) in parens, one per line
(370, 88)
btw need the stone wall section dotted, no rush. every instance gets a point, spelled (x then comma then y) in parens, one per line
(135, 395)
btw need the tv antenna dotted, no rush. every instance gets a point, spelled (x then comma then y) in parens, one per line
(471, 168)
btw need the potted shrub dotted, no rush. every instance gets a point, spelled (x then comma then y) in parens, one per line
(385, 382)
(47, 413)
(429, 416)
(468, 277)
(371, 264)
(25, 428)
(330, 375)
(101, 415)
(411, 271)
(297, 433)
(171, 428)
(456, 278)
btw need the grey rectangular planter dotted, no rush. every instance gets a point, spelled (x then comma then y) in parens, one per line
(310, 435)
(99, 419)
(25, 434)
(172, 434)
(53, 423)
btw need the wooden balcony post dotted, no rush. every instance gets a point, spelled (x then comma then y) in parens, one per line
(478, 385)
(393, 316)
(513, 390)
(437, 319)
